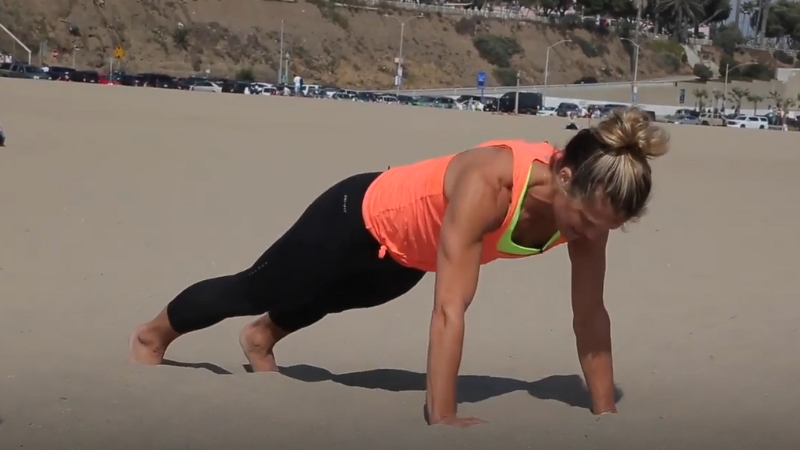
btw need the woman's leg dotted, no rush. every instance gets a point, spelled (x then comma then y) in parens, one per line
(379, 282)
(316, 251)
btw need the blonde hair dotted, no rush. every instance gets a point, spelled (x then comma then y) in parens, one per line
(612, 158)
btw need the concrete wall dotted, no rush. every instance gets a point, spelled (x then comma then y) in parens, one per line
(665, 94)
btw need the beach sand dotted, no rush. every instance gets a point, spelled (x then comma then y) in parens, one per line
(114, 199)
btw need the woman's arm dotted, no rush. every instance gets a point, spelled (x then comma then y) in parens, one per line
(591, 323)
(475, 204)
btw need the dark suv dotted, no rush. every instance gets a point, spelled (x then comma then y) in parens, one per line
(529, 102)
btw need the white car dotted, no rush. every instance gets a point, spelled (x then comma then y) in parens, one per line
(754, 122)
(205, 86)
(547, 111)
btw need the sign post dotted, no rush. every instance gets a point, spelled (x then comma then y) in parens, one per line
(119, 53)
(481, 82)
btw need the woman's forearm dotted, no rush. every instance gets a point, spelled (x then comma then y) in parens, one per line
(444, 358)
(594, 352)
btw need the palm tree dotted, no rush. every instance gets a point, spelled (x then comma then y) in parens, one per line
(700, 95)
(755, 100)
(776, 97)
(737, 95)
(684, 11)
(719, 99)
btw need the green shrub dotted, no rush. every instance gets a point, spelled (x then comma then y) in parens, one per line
(506, 76)
(758, 71)
(669, 61)
(702, 72)
(497, 50)
(727, 38)
(466, 26)
(667, 46)
(570, 23)
(328, 10)
(180, 36)
(783, 57)
(589, 50)
(725, 62)
(245, 74)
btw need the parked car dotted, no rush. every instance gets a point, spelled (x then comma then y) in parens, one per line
(564, 109)
(712, 119)
(88, 76)
(205, 86)
(60, 73)
(16, 70)
(158, 80)
(131, 80)
(586, 80)
(685, 119)
(744, 121)
(547, 111)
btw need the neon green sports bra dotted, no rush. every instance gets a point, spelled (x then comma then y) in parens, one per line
(507, 245)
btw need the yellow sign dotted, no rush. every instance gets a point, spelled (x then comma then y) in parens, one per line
(119, 53)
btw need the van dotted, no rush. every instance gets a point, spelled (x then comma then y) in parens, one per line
(529, 102)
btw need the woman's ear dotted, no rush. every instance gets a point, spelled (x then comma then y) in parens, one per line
(564, 177)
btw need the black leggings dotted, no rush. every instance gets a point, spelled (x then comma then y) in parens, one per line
(326, 263)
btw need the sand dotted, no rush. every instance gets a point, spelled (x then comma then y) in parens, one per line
(114, 199)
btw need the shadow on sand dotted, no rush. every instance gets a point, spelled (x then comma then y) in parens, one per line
(213, 368)
(568, 389)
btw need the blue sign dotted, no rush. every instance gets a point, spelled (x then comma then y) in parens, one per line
(682, 97)
(481, 79)
(635, 97)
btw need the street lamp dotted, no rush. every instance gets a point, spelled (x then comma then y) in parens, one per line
(547, 64)
(725, 85)
(399, 74)
(634, 87)
(75, 48)
(280, 60)
(516, 93)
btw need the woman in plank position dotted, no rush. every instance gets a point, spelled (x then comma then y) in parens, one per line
(372, 237)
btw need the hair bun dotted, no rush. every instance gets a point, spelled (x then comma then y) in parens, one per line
(630, 131)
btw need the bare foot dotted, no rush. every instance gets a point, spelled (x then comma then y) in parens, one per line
(257, 342)
(145, 348)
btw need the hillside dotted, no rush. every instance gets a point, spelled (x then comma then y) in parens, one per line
(347, 46)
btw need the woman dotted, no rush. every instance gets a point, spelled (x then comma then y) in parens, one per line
(372, 237)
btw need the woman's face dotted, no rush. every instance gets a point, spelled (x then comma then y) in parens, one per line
(577, 218)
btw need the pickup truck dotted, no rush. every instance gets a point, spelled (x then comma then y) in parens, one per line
(712, 119)
(16, 70)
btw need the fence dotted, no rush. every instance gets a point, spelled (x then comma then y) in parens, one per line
(16, 42)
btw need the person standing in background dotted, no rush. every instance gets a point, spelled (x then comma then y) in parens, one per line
(298, 85)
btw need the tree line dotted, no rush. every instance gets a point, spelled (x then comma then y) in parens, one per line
(773, 19)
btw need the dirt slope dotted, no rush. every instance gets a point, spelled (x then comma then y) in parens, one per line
(351, 47)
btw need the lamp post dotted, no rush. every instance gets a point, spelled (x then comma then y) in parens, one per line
(399, 74)
(75, 48)
(725, 84)
(516, 93)
(280, 61)
(547, 65)
(634, 87)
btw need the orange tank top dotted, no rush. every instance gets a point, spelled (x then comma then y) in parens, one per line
(404, 207)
